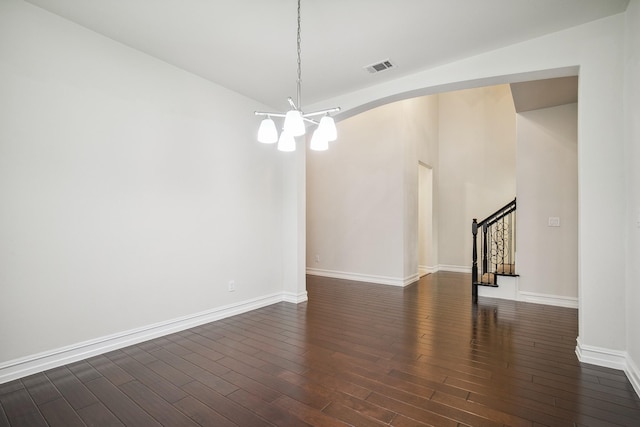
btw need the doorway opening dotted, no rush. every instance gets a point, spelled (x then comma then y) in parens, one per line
(426, 238)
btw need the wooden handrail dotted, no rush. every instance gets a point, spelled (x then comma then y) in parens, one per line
(499, 213)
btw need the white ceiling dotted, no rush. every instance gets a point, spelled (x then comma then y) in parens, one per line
(249, 46)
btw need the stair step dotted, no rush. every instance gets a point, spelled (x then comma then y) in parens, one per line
(506, 269)
(508, 289)
(491, 279)
(491, 285)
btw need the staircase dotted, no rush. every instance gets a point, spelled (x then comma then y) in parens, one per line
(496, 246)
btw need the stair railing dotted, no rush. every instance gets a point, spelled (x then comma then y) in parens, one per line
(497, 247)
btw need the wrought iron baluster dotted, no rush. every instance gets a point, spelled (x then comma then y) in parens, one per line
(502, 232)
(474, 268)
(484, 249)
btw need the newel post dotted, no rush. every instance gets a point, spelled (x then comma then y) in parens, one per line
(474, 268)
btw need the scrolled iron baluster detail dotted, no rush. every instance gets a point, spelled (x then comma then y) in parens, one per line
(501, 238)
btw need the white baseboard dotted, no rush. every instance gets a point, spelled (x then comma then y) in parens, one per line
(608, 358)
(380, 280)
(22, 367)
(423, 270)
(557, 300)
(294, 298)
(411, 279)
(633, 373)
(454, 268)
(508, 289)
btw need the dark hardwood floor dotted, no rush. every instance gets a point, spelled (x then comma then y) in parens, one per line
(355, 354)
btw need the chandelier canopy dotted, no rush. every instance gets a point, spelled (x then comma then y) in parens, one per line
(295, 118)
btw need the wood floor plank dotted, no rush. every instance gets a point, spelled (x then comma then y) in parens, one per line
(253, 387)
(278, 384)
(19, 408)
(29, 419)
(308, 414)
(71, 388)
(11, 387)
(402, 421)
(97, 415)
(548, 415)
(192, 347)
(202, 414)
(41, 388)
(224, 406)
(123, 408)
(350, 416)
(193, 371)
(411, 411)
(206, 363)
(492, 414)
(146, 376)
(336, 383)
(273, 413)
(59, 413)
(105, 367)
(156, 406)
(4, 421)
(84, 371)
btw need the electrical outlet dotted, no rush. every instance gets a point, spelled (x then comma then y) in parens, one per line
(232, 285)
(554, 221)
(317, 258)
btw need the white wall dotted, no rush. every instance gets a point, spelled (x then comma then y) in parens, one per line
(632, 155)
(362, 196)
(547, 186)
(477, 160)
(595, 49)
(358, 227)
(131, 191)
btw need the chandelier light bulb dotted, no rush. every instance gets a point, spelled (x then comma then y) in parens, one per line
(319, 141)
(328, 128)
(267, 133)
(286, 142)
(293, 123)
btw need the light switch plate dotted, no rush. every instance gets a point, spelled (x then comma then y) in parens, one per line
(554, 221)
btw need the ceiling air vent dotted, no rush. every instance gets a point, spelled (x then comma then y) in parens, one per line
(379, 66)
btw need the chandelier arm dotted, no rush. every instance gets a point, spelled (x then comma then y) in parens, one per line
(317, 113)
(293, 105)
(264, 113)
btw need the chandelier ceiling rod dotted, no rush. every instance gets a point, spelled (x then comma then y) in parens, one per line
(299, 81)
(294, 119)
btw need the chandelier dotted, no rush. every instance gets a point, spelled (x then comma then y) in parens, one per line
(294, 120)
